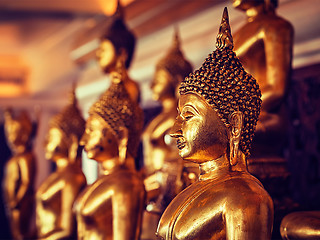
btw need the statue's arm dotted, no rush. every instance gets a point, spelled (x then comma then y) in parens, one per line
(25, 179)
(66, 223)
(52, 191)
(249, 219)
(278, 41)
(10, 184)
(127, 213)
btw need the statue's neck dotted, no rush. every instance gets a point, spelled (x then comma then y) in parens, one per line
(119, 72)
(168, 104)
(112, 165)
(253, 12)
(19, 150)
(214, 169)
(62, 163)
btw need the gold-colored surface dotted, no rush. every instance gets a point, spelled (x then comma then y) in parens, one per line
(301, 226)
(20, 171)
(111, 207)
(264, 46)
(161, 155)
(56, 195)
(217, 113)
(117, 44)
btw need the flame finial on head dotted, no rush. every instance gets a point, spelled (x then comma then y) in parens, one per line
(119, 11)
(176, 38)
(224, 37)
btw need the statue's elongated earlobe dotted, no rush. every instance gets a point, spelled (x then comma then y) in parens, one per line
(123, 144)
(236, 122)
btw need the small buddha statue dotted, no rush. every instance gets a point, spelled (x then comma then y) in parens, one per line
(161, 155)
(264, 46)
(20, 172)
(118, 42)
(56, 195)
(218, 108)
(111, 207)
(301, 226)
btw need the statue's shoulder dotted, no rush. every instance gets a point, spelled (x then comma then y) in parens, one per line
(275, 23)
(246, 190)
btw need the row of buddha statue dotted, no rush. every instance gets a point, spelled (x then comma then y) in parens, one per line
(198, 187)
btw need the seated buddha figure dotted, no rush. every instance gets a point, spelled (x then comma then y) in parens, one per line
(56, 195)
(301, 226)
(111, 207)
(264, 46)
(218, 108)
(118, 43)
(19, 174)
(160, 153)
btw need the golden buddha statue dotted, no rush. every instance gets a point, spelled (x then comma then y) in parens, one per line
(111, 207)
(161, 155)
(20, 171)
(301, 226)
(56, 195)
(264, 46)
(118, 43)
(218, 109)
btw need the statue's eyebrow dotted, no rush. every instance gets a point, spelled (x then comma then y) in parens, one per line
(191, 106)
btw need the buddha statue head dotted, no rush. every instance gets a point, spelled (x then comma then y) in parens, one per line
(170, 71)
(219, 106)
(117, 43)
(114, 126)
(18, 130)
(65, 131)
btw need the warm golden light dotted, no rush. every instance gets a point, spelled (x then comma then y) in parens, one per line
(109, 7)
(10, 90)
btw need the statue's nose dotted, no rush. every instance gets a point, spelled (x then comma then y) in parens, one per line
(176, 131)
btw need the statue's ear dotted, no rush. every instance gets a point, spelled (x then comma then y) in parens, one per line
(73, 149)
(236, 123)
(123, 144)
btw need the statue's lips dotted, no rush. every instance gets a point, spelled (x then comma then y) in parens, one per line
(181, 144)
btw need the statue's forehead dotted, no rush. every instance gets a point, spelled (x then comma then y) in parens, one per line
(194, 100)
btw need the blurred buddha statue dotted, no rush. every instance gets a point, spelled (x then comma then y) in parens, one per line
(111, 207)
(264, 46)
(161, 155)
(20, 172)
(218, 109)
(301, 226)
(163, 166)
(118, 42)
(56, 195)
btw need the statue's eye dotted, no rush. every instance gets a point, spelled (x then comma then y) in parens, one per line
(188, 115)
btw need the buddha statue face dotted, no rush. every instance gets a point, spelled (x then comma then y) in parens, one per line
(56, 144)
(98, 140)
(201, 136)
(17, 130)
(106, 55)
(162, 85)
(15, 133)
